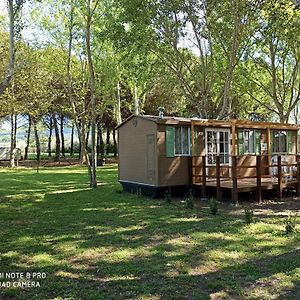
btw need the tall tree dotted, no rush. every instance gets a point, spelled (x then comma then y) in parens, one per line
(202, 42)
(14, 8)
(88, 11)
(57, 137)
(11, 66)
(276, 72)
(28, 137)
(62, 135)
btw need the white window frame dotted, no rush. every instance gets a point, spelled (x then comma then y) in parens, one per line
(181, 141)
(218, 130)
(286, 142)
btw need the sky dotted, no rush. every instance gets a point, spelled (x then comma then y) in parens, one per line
(3, 7)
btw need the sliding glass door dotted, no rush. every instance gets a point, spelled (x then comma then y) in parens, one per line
(217, 142)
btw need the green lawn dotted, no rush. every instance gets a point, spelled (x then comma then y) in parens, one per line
(104, 244)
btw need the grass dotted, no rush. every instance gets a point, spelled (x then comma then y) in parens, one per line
(45, 155)
(105, 244)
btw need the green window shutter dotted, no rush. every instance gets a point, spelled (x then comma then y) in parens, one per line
(289, 142)
(241, 145)
(170, 141)
(257, 142)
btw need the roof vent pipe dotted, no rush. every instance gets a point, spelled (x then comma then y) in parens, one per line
(161, 111)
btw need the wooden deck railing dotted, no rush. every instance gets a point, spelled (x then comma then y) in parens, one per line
(201, 176)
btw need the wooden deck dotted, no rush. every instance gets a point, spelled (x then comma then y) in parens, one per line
(250, 184)
(236, 184)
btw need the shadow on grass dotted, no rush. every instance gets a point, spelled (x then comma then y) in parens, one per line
(102, 244)
(158, 278)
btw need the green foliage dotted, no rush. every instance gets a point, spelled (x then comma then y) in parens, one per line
(290, 223)
(181, 267)
(213, 206)
(249, 215)
(168, 197)
(189, 201)
(136, 44)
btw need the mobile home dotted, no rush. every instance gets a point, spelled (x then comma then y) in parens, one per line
(156, 153)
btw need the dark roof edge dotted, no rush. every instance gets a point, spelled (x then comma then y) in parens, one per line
(175, 120)
(131, 116)
(155, 119)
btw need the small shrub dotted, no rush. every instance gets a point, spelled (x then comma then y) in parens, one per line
(119, 190)
(249, 215)
(213, 206)
(181, 267)
(290, 224)
(189, 201)
(168, 197)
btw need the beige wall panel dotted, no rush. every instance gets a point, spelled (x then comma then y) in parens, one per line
(174, 171)
(171, 170)
(134, 151)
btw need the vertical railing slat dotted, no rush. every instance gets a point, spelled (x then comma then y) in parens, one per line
(279, 175)
(203, 185)
(298, 175)
(234, 180)
(218, 177)
(258, 178)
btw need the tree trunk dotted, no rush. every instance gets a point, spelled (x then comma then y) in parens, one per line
(102, 146)
(84, 156)
(50, 136)
(10, 72)
(72, 141)
(62, 135)
(80, 124)
(136, 100)
(232, 62)
(99, 145)
(57, 138)
(275, 97)
(107, 141)
(87, 136)
(37, 142)
(15, 131)
(115, 143)
(143, 102)
(93, 165)
(118, 105)
(82, 139)
(12, 140)
(28, 138)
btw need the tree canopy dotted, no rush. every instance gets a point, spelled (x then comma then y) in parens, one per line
(95, 62)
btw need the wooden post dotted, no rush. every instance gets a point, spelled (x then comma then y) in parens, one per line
(269, 148)
(191, 162)
(191, 171)
(218, 177)
(233, 143)
(193, 139)
(298, 175)
(279, 191)
(203, 185)
(234, 191)
(258, 178)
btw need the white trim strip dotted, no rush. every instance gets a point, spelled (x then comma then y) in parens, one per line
(135, 182)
